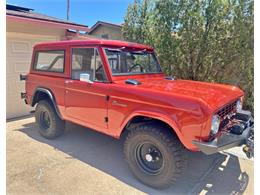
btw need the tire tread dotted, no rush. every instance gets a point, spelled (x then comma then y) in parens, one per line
(57, 128)
(170, 140)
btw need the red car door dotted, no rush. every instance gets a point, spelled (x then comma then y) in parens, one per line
(85, 102)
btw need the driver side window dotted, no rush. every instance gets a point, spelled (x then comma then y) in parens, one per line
(87, 60)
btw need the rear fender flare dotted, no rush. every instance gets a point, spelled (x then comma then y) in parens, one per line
(49, 94)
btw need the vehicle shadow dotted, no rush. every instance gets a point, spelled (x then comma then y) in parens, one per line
(213, 174)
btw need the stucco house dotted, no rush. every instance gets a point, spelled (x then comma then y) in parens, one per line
(24, 28)
(106, 30)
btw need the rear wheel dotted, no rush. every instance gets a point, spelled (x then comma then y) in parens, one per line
(155, 156)
(50, 125)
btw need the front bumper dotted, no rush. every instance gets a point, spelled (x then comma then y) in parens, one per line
(232, 138)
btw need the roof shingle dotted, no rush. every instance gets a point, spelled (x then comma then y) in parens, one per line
(26, 13)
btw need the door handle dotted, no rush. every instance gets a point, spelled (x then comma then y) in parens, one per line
(116, 103)
(69, 81)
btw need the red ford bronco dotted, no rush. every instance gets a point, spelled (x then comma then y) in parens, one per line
(118, 88)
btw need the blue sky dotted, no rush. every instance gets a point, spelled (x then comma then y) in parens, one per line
(85, 12)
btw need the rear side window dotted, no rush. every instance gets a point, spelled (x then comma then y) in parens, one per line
(51, 61)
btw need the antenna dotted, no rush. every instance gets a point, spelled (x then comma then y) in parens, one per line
(68, 9)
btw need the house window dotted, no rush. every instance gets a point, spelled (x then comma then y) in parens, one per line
(51, 61)
(104, 36)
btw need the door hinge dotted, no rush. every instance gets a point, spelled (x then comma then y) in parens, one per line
(106, 119)
(107, 97)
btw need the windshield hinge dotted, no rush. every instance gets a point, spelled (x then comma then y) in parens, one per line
(107, 97)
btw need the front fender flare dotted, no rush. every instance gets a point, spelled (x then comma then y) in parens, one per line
(161, 117)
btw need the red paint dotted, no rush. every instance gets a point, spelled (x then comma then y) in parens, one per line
(187, 106)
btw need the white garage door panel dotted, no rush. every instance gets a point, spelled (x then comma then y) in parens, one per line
(14, 88)
(18, 56)
(21, 46)
(9, 68)
(22, 66)
(11, 86)
(15, 108)
(18, 49)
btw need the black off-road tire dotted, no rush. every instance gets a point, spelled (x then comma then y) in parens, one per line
(55, 127)
(170, 148)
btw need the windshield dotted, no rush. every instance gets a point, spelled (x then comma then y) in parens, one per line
(126, 62)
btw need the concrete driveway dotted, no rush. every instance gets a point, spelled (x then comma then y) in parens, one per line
(86, 162)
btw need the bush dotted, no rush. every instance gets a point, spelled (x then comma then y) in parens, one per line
(209, 40)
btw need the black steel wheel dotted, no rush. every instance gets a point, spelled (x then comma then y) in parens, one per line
(154, 155)
(50, 125)
(149, 158)
(44, 120)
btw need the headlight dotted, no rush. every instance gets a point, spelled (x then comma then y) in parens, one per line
(239, 105)
(215, 124)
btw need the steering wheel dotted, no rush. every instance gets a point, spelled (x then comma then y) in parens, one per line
(135, 65)
(99, 68)
(100, 73)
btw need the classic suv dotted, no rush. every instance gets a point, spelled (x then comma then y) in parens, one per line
(118, 88)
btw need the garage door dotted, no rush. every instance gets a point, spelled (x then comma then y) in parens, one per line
(18, 58)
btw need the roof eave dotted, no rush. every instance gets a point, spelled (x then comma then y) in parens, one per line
(55, 24)
(93, 28)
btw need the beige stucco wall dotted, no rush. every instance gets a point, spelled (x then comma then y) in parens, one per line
(112, 32)
(20, 39)
(33, 28)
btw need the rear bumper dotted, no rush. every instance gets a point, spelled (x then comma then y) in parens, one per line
(230, 139)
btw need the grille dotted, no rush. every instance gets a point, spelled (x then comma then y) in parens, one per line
(227, 110)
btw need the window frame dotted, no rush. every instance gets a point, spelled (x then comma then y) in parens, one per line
(36, 56)
(94, 71)
(131, 74)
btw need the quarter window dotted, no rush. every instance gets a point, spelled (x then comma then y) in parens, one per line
(52, 61)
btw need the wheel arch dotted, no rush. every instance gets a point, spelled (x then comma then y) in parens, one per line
(41, 93)
(154, 116)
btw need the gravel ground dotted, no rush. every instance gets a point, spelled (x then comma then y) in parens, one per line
(83, 161)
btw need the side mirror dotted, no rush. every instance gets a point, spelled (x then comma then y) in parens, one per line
(85, 77)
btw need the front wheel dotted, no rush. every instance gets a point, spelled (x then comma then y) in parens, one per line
(50, 125)
(154, 155)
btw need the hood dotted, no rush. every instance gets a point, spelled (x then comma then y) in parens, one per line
(214, 95)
